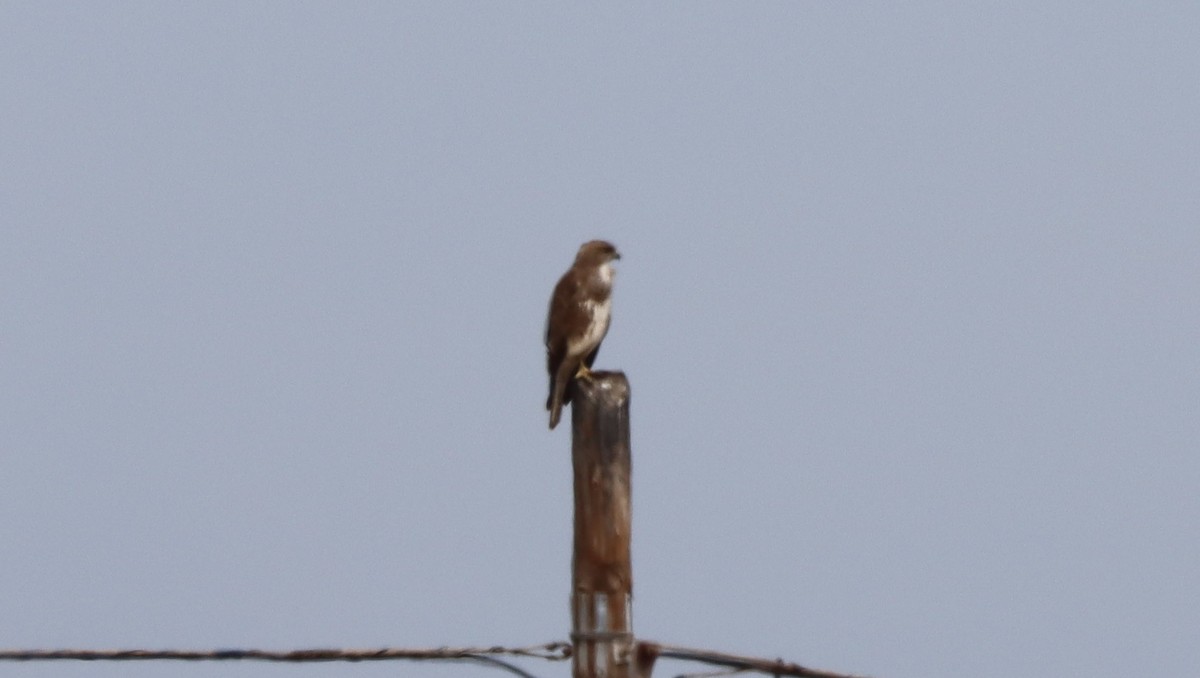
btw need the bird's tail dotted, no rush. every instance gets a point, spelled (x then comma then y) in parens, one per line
(558, 397)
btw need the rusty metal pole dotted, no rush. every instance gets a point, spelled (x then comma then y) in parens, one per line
(601, 573)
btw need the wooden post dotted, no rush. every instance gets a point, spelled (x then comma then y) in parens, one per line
(601, 574)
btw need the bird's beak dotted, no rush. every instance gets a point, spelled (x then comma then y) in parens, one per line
(616, 255)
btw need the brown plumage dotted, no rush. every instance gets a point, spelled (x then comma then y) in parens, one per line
(580, 311)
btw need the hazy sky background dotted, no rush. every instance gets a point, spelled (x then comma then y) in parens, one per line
(908, 304)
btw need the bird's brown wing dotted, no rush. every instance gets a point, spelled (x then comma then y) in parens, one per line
(566, 315)
(557, 318)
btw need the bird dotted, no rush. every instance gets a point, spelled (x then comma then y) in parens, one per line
(579, 315)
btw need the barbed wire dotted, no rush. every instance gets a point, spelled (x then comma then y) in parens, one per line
(645, 655)
(550, 651)
(648, 652)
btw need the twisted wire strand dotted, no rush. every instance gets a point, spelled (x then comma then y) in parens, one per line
(550, 651)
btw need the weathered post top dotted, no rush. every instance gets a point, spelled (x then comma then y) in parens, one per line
(601, 572)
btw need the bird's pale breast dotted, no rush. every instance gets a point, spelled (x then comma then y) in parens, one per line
(598, 313)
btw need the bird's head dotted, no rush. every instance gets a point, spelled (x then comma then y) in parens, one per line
(597, 253)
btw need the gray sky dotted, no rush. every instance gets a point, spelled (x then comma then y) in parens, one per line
(908, 303)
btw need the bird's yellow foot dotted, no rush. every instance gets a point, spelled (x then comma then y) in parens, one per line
(583, 373)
